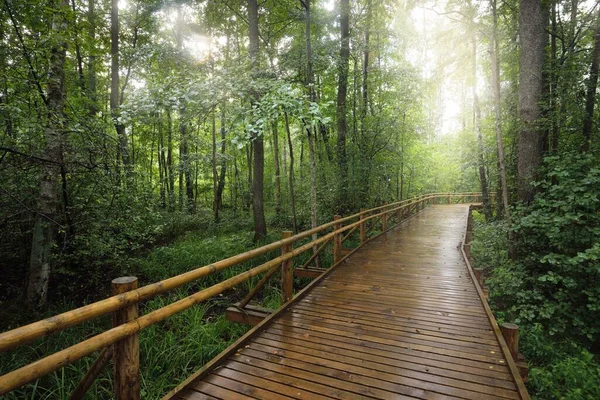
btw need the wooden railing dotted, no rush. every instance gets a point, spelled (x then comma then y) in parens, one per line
(121, 343)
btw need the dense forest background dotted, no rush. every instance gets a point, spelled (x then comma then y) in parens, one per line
(149, 137)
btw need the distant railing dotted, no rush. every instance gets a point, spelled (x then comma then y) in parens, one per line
(121, 343)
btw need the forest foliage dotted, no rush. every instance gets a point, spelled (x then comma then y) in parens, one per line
(149, 137)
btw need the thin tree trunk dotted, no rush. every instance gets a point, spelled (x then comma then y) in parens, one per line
(480, 147)
(365, 82)
(277, 169)
(590, 100)
(91, 85)
(215, 176)
(221, 183)
(341, 105)
(122, 155)
(291, 170)
(170, 169)
(42, 238)
(78, 57)
(185, 158)
(494, 47)
(309, 82)
(554, 120)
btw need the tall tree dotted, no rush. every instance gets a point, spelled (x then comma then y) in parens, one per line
(341, 104)
(311, 130)
(115, 98)
(533, 38)
(477, 127)
(592, 84)
(260, 226)
(54, 132)
(494, 52)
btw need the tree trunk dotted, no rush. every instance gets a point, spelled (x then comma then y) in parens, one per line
(592, 84)
(122, 155)
(162, 169)
(480, 148)
(291, 169)
(170, 169)
(533, 40)
(494, 47)
(260, 226)
(185, 158)
(341, 105)
(365, 82)
(91, 85)
(277, 169)
(309, 82)
(554, 110)
(215, 176)
(42, 238)
(221, 183)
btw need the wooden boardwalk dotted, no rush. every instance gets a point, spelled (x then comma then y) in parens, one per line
(400, 319)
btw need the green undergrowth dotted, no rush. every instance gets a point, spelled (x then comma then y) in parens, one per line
(172, 349)
(562, 365)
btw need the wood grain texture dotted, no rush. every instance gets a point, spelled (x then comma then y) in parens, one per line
(401, 318)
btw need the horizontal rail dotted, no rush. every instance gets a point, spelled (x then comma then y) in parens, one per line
(28, 333)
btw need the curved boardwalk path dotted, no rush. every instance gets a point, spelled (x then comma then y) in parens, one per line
(400, 319)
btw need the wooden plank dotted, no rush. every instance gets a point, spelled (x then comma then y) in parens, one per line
(249, 315)
(414, 379)
(238, 387)
(309, 272)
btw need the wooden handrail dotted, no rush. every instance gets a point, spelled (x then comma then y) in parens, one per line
(28, 333)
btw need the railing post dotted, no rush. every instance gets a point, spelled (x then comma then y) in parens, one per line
(434, 199)
(362, 226)
(510, 332)
(337, 241)
(479, 276)
(287, 270)
(384, 219)
(449, 198)
(126, 350)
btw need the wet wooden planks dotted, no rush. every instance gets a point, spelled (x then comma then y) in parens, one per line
(400, 319)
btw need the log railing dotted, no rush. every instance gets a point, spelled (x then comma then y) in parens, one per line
(121, 342)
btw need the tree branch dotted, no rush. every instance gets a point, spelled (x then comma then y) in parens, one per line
(25, 52)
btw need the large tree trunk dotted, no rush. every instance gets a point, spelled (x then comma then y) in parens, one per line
(533, 39)
(42, 238)
(341, 105)
(487, 210)
(592, 84)
(122, 154)
(497, 109)
(260, 226)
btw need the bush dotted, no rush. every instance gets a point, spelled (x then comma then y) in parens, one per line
(558, 242)
(551, 290)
